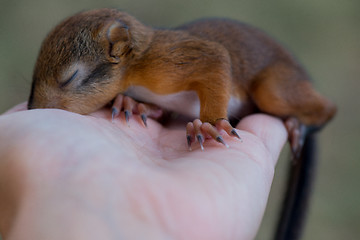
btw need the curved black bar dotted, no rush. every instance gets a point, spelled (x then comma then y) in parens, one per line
(298, 191)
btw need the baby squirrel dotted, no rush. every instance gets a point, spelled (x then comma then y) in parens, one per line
(214, 70)
(211, 70)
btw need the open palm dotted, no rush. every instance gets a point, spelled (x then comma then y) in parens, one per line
(106, 180)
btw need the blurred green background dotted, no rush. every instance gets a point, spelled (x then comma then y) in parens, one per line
(323, 34)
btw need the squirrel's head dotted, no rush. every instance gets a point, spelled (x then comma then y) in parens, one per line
(82, 61)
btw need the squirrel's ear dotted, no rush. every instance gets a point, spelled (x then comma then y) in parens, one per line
(118, 37)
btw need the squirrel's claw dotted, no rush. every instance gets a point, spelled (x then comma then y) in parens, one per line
(127, 116)
(198, 129)
(130, 106)
(143, 110)
(114, 113)
(190, 134)
(221, 140)
(226, 126)
(144, 119)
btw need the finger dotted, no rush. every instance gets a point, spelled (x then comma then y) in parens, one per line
(17, 108)
(269, 129)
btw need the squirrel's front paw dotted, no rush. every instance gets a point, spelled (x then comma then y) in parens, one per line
(197, 129)
(130, 106)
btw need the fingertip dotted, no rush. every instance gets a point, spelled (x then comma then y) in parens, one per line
(269, 129)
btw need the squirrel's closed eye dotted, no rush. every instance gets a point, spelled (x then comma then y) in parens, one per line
(67, 82)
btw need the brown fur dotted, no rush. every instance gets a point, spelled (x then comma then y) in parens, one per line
(217, 58)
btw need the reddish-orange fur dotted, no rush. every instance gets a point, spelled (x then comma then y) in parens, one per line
(217, 58)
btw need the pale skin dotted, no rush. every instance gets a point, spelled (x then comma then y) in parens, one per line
(68, 176)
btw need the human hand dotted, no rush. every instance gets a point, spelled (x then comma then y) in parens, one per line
(68, 176)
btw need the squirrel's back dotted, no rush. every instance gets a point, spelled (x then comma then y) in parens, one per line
(250, 49)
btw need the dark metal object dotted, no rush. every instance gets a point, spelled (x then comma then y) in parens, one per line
(300, 180)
